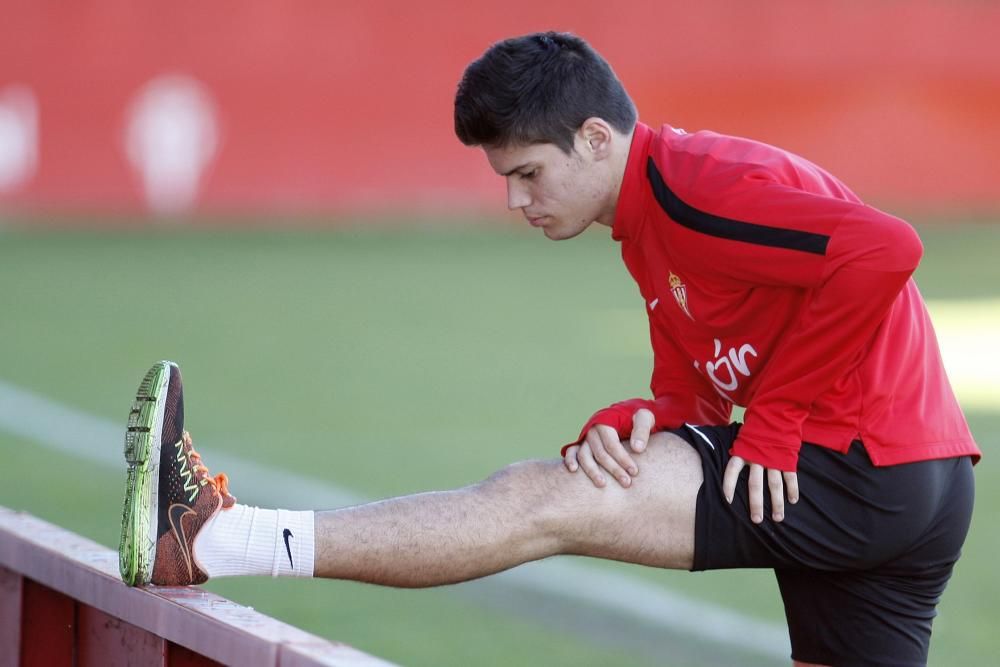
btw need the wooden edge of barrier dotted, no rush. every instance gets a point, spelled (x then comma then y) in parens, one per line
(203, 622)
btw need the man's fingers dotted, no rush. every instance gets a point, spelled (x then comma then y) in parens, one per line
(778, 484)
(570, 459)
(613, 446)
(611, 456)
(776, 487)
(642, 424)
(755, 484)
(731, 476)
(791, 486)
(589, 466)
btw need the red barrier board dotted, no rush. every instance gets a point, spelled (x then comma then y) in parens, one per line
(62, 603)
(123, 106)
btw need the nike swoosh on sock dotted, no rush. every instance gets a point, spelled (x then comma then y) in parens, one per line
(288, 534)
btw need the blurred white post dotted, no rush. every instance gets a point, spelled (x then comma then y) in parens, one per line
(18, 136)
(171, 136)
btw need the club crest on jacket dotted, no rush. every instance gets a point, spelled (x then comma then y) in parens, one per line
(679, 290)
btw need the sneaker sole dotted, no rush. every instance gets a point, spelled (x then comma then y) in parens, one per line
(137, 548)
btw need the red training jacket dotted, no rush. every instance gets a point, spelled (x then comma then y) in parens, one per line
(769, 284)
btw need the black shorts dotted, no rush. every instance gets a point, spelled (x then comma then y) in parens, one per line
(861, 560)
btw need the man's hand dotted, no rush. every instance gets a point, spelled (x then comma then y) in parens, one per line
(777, 483)
(602, 451)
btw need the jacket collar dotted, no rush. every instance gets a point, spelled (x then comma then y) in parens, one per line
(631, 204)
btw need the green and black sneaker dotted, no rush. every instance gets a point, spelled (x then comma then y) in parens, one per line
(169, 494)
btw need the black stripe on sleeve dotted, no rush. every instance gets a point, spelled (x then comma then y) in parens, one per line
(735, 230)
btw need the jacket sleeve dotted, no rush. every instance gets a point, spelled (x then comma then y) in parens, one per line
(680, 394)
(849, 289)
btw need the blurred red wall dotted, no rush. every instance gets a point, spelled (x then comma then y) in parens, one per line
(319, 106)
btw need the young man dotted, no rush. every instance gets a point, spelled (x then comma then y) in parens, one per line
(767, 283)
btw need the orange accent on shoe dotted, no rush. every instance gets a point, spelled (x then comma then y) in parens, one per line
(220, 482)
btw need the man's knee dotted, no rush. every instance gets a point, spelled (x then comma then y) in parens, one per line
(668, 465)
(532, 484)
(533, 496)
(670, 475)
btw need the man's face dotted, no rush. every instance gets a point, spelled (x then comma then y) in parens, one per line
(562, 194)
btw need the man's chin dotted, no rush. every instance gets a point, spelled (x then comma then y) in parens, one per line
(560, 233)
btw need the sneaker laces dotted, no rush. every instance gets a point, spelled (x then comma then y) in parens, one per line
(219, 482)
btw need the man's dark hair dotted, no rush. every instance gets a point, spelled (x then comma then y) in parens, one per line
(538, 88)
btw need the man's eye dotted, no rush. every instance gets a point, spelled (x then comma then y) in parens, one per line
(529, 174)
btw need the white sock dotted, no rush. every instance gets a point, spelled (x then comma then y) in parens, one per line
(245, 540)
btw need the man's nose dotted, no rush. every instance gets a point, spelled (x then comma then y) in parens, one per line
(517, 195)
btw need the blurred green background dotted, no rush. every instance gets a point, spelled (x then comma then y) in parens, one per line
(391, 360)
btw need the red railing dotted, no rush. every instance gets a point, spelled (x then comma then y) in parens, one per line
(62, 603)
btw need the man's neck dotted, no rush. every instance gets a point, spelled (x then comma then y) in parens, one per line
(619, 160)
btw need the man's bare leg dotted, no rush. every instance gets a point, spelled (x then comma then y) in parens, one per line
(522, 513)
(181, 525)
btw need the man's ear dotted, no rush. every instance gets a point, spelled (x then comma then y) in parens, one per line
(596, 135)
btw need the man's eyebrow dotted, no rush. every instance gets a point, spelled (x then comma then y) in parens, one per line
(517, 168)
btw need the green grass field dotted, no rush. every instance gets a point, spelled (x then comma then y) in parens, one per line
(392, 361)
